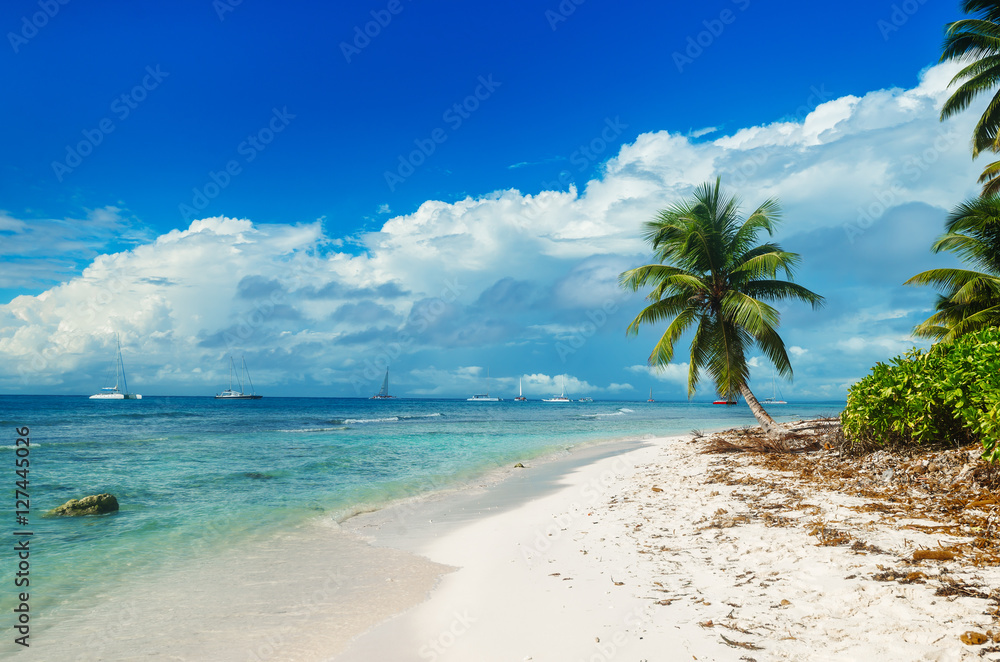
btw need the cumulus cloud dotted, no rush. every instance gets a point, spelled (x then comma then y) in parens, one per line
(865, 182)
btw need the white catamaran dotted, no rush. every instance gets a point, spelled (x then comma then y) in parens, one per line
(114, 392)
(484, 397)
(559, 398)
(232, 394)
(383, 393)
(775, 398)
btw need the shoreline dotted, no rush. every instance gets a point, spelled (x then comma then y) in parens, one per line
(665, 548)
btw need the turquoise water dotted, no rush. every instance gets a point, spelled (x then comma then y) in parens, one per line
(195, 476)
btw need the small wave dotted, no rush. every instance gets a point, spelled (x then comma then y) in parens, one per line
(409, 416)
(626, 410)
(14, 447)
(389, 419)
(614, 413)
(341, 427)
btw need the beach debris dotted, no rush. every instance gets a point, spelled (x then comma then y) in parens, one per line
(740, 644)
(95, 504)
(934, 555)
(972, 638)
(519, 466)
(657, 489)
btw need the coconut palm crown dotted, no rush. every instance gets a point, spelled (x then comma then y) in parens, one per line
(976, 42)
(713, 276)
(971, 298)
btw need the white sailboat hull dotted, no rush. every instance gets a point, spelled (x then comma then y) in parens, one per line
(114, 392)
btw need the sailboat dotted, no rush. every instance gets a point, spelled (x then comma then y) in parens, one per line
(232, 394)
(559, 398)
(775, 395)
(113, 392)
(651, 395)
(484, 397)
(520, 394)
(383, 393)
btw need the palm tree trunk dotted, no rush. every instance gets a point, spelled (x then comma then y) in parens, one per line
(770, 426)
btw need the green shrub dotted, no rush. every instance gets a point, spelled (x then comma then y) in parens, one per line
(949, 393)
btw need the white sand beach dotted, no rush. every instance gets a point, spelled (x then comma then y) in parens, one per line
(647, 554)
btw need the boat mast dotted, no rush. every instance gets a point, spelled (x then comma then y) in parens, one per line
(247, 373)
(121, 366)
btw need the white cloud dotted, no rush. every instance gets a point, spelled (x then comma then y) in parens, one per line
(184, 299)
(676, 373)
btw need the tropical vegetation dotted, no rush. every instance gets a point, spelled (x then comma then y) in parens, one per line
(712, 275)
(975, 41)
(949, 393)
(971, 299)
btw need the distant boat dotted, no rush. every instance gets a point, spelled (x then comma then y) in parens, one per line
(383, 393)
(231, 393)
(585, 400)
(520, 394)
(651, 396)
(559, 398)
(775, 398)
(113, 392)
(484, 397)
(724, 402)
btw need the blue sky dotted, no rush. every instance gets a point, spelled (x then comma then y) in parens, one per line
(454, 190)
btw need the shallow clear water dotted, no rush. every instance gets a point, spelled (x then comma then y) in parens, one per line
(196, 477)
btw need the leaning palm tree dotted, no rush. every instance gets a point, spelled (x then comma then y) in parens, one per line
(971, 299)
(712, 274)
(976, 40)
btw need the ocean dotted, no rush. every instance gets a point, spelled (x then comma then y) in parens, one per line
(202, 482)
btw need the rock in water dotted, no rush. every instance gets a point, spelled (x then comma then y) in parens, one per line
(95, 504)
